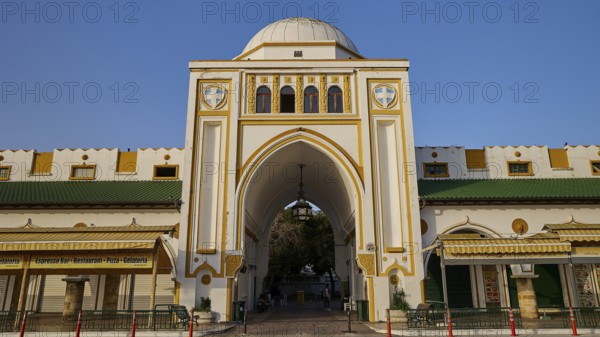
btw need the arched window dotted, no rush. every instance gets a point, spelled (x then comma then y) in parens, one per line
(263, 100)
(334, 99)
(311, 99)
(288, 99)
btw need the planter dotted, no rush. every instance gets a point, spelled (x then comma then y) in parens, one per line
(398, 316)
(205, 317)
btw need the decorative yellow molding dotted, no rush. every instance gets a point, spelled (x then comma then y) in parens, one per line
(520, 226)
(232, 264)
(299, 94)
(251, 92)
(323, 94)
(206, 279)
(347, 106)
(366, 262)
(275, 95)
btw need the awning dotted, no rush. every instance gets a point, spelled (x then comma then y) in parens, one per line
(575, 232)
(86, 238)
(505, 246)
(587, 235)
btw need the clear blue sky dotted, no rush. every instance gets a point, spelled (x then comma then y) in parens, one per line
(483, 72)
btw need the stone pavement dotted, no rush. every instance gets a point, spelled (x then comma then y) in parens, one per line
(310, 319)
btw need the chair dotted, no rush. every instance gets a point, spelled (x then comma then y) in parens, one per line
(183, 316)
(421, 315)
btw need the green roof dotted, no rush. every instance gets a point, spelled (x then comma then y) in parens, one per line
(28, 193)
(509, 189)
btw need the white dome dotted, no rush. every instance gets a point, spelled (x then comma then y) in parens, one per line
(298, 30)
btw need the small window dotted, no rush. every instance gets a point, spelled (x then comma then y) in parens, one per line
(263, 100)
(595, 167)
(4, 173)
(83, 172)
(288, 99)
(166, 171)
(334, 99)
(436, 170)
(311, 100)
(519, 168)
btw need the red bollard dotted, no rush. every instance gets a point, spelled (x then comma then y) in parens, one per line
(512, 322)
(573, 324)
(389, 324)
(450, 334)
(78, 330)
(23, 324)
(191, 321)
(133, 325)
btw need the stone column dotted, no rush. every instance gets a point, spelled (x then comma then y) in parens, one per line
(526, 295)
(111, 292)
(73, 296)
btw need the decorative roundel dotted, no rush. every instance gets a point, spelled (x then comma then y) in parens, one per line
(385, 95)
(424, 226)
(394, 279)
(520, 226)
(434, 154)
(85, 157)
(167, 157)
(205, 279)
(214, 96)
(599, 153)
(1, 158)
(517, 154)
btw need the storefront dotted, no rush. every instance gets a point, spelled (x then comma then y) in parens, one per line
(93, 268)
(557, 268)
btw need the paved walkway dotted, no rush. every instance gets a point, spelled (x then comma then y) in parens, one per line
(310, 319)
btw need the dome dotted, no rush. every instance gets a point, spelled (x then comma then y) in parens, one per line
(299, 30)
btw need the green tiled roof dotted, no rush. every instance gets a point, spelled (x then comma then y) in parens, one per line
(90, 193)
(509, 189)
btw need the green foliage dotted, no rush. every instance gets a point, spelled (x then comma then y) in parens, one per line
(204, 304)
(294, 245)
(399, 301)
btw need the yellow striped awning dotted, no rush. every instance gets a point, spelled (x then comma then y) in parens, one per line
(589, 235)
(90, 238)
(505, 246)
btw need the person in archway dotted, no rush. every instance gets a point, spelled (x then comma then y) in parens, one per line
(326, 297)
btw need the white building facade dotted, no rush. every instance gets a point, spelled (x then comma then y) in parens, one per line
(517, 226)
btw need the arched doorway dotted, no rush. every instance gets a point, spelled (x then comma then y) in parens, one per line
(270, 182)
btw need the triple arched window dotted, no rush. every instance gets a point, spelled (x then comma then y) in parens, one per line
(334, 99)
(263, 99)
(311, 100)
(287, 99)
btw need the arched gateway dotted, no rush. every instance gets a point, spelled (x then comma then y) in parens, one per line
(300, 93)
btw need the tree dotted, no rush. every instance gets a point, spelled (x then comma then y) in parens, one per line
(319, 244)
(293, 245)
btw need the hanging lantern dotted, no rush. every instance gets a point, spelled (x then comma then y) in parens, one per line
(301, 211)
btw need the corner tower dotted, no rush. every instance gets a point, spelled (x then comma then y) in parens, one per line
(299, 93)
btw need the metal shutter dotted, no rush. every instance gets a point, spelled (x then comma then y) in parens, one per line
(53, 293)
(3, 290)
(141, 290)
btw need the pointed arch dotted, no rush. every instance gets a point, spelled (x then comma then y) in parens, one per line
(348, 169)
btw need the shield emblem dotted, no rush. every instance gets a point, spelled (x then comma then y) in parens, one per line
(385, 95)
(214, 96)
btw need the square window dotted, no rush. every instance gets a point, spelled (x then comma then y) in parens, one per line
(83, 172)
(166, 172)
(436, 170)
(520, 168)
(595, 167)
(4, 172)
